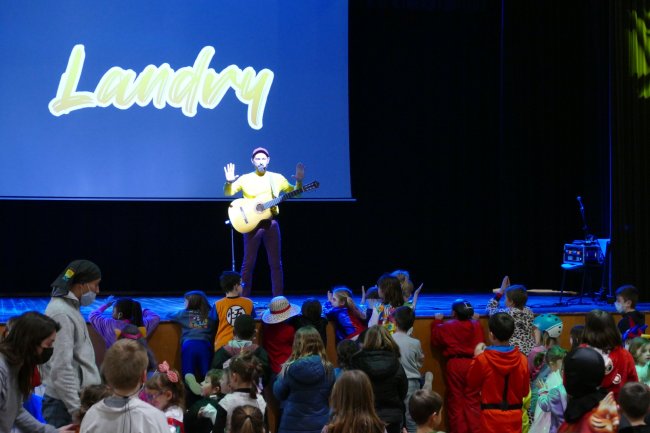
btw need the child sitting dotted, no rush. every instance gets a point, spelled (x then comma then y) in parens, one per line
(230, 307)
(457, 338)
(348, 319)
(634, 403)
(640, 350)
(411, 356)
(425, 407)
(501, 399)
(166, 391)
(632, 323)
(516, 298)
(311, 314)
(201, 415)
(125, 370)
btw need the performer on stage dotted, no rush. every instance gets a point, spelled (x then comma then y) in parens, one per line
(262, 183)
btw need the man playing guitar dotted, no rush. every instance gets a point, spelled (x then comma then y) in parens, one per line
(265, 185)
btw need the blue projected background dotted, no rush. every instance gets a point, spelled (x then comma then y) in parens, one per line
(133, 140)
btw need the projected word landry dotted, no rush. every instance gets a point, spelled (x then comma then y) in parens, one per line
(184, 88)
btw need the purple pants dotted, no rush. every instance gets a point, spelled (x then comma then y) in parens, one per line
(267, 231)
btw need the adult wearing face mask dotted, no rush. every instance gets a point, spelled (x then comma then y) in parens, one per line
(26, 345)
(72, 365)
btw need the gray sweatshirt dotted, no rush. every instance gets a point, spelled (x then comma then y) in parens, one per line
(72, 365)
(11, 404)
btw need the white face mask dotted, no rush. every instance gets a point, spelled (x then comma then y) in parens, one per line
(87, 298)
(618, 306)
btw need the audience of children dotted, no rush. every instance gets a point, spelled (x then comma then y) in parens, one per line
(516, 298)
(304, 384)
(390, 291)
(352, 405)
(601, 333)
(632, 323)
(426, 409)
(242, 378)
(198, 322)
(166, 391)
(411, 357)
(489, 380)
(640, 349)
(457, 338)
(500, 372)
(379, 359)
(125, 371)
(230, 307)
(634, 404)
(125, 311)
(311, 314)
(349, 321)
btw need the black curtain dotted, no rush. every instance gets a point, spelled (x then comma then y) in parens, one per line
(631, 154)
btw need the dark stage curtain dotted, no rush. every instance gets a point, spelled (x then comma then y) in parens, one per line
(631, 149)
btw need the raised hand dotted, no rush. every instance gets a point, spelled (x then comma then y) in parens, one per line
(363, 295)
(480, 348)
(300, 172)
(110, 300)
(229, 171)
(504, 284)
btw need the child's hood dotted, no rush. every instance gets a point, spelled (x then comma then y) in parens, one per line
(307, 370)
(505, 359)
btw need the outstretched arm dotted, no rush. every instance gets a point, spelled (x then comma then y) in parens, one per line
(416, 294)
(229, 172)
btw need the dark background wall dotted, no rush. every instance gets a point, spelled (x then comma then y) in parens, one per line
(474, 126)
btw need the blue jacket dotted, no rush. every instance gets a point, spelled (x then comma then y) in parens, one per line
(305, 389)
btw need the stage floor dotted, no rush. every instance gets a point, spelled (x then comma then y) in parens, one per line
(428, 304)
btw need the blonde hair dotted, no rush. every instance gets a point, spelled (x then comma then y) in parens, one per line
(306, 342)
(124, 364)
(352, 404)
(346, 294)
(404, 281)
(378, 338)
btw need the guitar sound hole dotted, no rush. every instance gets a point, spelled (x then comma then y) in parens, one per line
(259, 208)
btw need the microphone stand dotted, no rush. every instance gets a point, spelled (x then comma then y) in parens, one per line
(585, 228)
(232, 244)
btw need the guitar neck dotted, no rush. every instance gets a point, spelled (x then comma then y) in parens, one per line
(283, 197)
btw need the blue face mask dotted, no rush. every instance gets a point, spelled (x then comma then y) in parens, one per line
(87, 298)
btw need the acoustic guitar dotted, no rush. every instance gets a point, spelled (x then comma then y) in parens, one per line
(246, 213)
